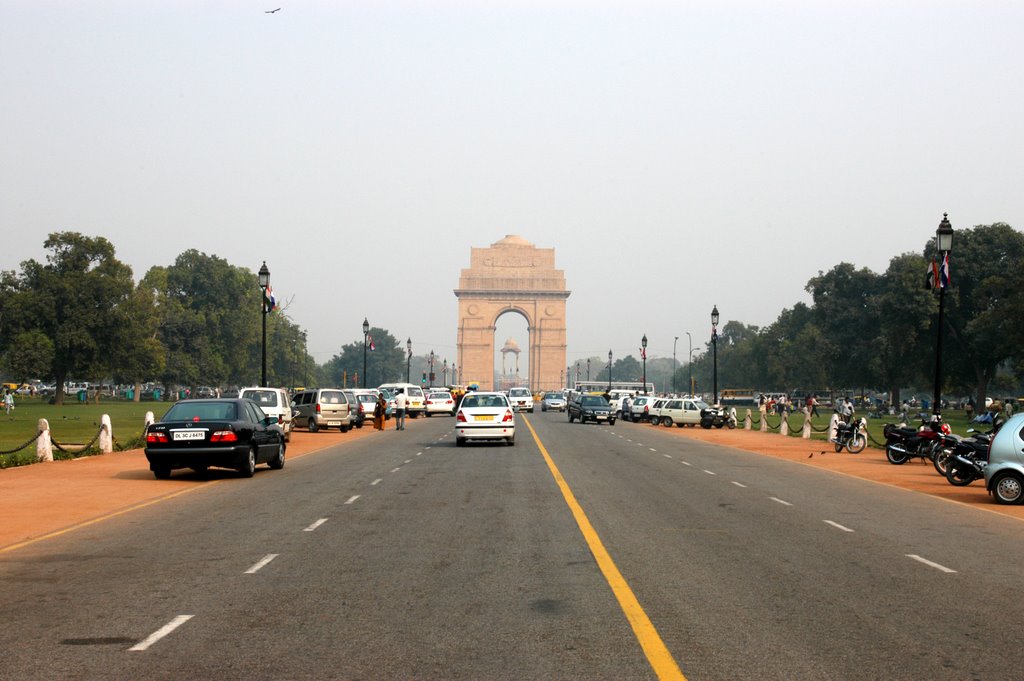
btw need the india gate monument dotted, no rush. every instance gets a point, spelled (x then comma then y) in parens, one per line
(512, 276)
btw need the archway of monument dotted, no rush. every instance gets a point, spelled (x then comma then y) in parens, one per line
(512, 275)
(511, 349)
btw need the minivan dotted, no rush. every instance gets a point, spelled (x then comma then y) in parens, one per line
(324, 408)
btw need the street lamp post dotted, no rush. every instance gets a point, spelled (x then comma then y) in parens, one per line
(714, 345)
(674, 364)
(408, 357)
(446, 371)
(588, 369)
(609, 371)
(431, 378)
(264, 285)
(689, 364)
(366, 335)
(943, 244)
(643, 354)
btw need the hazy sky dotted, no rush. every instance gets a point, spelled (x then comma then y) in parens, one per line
(675, 155)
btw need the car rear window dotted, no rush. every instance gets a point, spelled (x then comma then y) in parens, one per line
(202, 411)
(264, 398)
(415, 392)
(367, 398)
(332, 397)
(484, 401)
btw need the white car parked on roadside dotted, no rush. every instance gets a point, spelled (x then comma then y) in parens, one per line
(678, 411)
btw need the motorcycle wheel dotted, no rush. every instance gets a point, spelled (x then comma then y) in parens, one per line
(941, 461)
(856, 444)
(839, 447)
(896, 458)
(959, 475)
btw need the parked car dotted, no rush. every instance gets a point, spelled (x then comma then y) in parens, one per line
(591, 408)
(521, 399)
(680, 412)
(485, 416)
(226, 433)
(552, 401)
(365, 401)
(415, 400)
(440, 402)
(1004, 474)
(324, 408)
(273, 402)
(640, 408)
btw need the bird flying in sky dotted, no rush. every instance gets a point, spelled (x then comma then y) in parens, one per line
(271, 11)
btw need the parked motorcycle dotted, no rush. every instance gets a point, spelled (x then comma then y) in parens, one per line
(968, 461)
(851, 436)
(904, 443)
(717, 417)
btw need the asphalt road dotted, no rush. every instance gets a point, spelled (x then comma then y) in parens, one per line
(399, 556)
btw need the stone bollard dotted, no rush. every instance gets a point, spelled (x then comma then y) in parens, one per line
(764, 420)
(732, 417)
(106, 435)
(44, 447)
(833, 428)
(784, 424)
(807, 424)
(747, 421)
(149, 420)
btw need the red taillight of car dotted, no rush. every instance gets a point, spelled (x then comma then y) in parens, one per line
(280, 419)
(460, 417)
(362, 408)
(508, 416)
(156, 437)
(224, 436)
(646, 411)
(429, 402)
(449, 402)
(317, 407)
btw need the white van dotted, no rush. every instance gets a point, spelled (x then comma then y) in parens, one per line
(416, 402)
(273, 402)
(521, 399)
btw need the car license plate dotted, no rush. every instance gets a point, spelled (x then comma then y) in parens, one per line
(334, 423)
(602, 417)
(417, 403)
(189, 434)
(484, 417)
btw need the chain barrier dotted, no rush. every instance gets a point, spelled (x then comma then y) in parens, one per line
(873, 440)
(27, 443)
(60, 447)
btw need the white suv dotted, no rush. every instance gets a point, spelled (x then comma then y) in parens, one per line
(521, 399)
(273, 402)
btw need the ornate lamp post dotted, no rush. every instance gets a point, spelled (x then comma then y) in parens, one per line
(264, 285)
(714, 344)
(366, 336)
(643, 354)
(408, 357)
(609, 371)
(431, 378)
(943, 244)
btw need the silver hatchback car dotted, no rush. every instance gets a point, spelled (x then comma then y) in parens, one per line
(1004, 474)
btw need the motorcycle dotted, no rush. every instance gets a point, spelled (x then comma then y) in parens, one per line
(851, 436)
(717, 417)
(904, 443)
(968, 460)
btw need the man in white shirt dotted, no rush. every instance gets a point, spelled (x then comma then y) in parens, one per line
(400, 403)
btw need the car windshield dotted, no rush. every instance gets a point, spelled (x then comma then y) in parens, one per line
(484, 401)
(519, 392)
(440, 396)
(593, 401)
(700, 404)
(202, 411)
(264, 398)
(552, 396)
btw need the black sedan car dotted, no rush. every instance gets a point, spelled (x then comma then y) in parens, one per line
(226, 433)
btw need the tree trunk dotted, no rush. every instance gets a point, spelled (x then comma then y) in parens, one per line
(137, 397)
(58, 387)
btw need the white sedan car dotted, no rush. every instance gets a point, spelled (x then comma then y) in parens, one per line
(440, 402)
(485, 416)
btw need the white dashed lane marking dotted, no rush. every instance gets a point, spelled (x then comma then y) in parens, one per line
(738, 484)
(838, 526)
(780, 501)
(261, 564)
(377, 482)
(352, 499)
(161, 632)
(710, 472)
(315, 525)
(929, 563)
(395, 470)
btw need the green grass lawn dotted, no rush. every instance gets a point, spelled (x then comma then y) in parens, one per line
(72, 425)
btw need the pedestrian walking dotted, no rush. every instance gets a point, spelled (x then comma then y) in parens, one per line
(380, 410)
(812, 405)
(8, 402)
(400, 403)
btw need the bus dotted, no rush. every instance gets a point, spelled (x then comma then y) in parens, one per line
(601, 387)
(738, 396)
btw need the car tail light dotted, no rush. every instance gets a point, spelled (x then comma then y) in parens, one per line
(508, 416)
(429, 402)
(224, 436)
(317, 407)
(460, 417)
(362, 408)
(156, 437)
(280, 419)
(646, 410)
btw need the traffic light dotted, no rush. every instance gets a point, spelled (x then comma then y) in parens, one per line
(424, 379)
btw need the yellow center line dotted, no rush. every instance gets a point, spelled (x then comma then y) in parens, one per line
(658, 655)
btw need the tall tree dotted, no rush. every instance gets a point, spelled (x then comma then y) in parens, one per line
(385, 363)
(73, 301)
